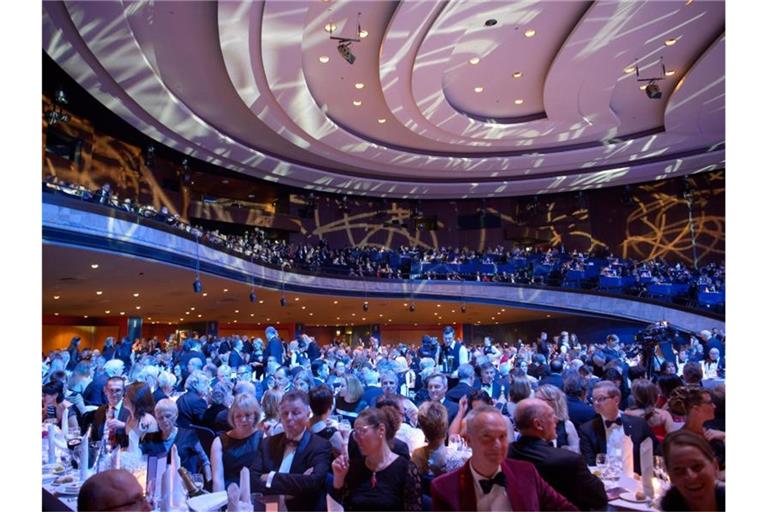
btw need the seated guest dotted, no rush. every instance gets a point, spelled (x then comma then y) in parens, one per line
(295, 462)
(192, 404)
(381, 479)
(490, 481)
(519, 389)
(270, 404)
(372, 388)
(190, 451)
(165, 383)
(697, 406)
(667, 383)
(693, 469)
(398, 446)
(488, 381)
(645, 395)
(114, 489)
(718, 398)
(141, 406)
(593, 434)
(215, 415)
(564, 470)
(233, 450)
(575, 388)
(466, 374)
(713, 367)
(321, 403)
(302, 382)
(348, 398)
(692, 374)
(555, 377)
(466, 404)
(433, 459)
(567, 437)
(94, 392)
(437, 386)
(112, 416)
(54, 406)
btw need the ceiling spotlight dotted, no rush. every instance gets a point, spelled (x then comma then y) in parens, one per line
(324, 59)
(629, 69)
(95, 266)
(197, 286)
(517, 74)
(474, 60)
(357, 103)
(670, 72)
(330, 27)
(345, 52)
(365, 306)
(412, 307)
(491, 22)
(56, 297)
(530, 32)
(99, 292)
(479, 89)
(653, 91)
(136, 294)
(518, 102)
(283, 302)
(463, 308)
(670, 42)
(382, 120)
(359, 85)
(252, 296)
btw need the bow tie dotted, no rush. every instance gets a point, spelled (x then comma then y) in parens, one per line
(499, 479)
(291, 442)
(608, 423)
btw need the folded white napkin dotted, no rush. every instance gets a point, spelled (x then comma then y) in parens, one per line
(208, 502)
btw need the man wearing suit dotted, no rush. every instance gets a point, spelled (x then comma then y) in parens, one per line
(575, 389)
(235, 357)
(274, 347)
(555, 376)
(564, 470)
(192, 404)
(437, 385)
(593, 434)
(490, 481)
(112, 415)
(295, 462)
(95, 392)
(312, 350)
(488, 381)
(466, 373)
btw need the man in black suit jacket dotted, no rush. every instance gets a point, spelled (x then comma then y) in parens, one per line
(235, 357)
(489, 381)
(437, 385)
(112, 415)
(274, 347)
(295, 462)
(466, 373)
(555, 376)
(192, 404)
(593, 434)
(564, 470)
(575, 389)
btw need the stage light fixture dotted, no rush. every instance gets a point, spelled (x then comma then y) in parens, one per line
(463, 308)
(197, 286)
(345, 52)
(252, 296)
(412, 307)
(283, 302)
(653, 91)
(365, 306)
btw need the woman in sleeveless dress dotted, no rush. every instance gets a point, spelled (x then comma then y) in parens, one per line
(235, 449)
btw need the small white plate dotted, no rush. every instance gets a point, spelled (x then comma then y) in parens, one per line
(69, 489)
(630, 496)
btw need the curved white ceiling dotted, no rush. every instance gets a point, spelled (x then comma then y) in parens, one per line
(243, 85)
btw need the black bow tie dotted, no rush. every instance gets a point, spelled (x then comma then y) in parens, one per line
(608, 423)
(291, 442)
(499, 479)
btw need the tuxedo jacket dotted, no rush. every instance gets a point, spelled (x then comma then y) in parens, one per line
(191, 409)
(579, 411)
(99, 419)
(496, 387)
(592, 438)
(235, 360)
(456, 392)
(274, 348)
(564, 470)
(306, 491)
(452, 408)
(526, 490)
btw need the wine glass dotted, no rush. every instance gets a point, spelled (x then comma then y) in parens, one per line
(74, 449)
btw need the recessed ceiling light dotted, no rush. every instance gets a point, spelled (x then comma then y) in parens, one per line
(85, 316)
(642, 87)
(312, 314)
(359, 85)
(261, 301)
(630, 69)
(225, 290)
(330, 27)
(225, 182)
(357, 103)
(518, 102)
(106, 311)
(138, 307)
(200, 316)
(670, 72)
(205, 294)
(363, 34)
(136, 294)
(324, 59)
(303, 307)
(479, 89)
(335, 302)
(517, 74)
(237, 311)
(296, 299)
(530, 32)
(122, 312)
(55, 314)
(99, 292)
(474, 60)
(56, 297)
(95, 266)
(382, 120)
(191, 309)
(670, 42)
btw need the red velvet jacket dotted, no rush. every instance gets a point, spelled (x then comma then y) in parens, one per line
(526, 490)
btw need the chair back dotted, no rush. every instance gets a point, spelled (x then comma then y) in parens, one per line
(205, 436)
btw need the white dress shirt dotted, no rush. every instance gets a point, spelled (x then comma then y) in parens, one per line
(495, 500)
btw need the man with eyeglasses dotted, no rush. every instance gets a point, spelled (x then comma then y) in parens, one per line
(109, 420)
(593, 434)
(115, 489)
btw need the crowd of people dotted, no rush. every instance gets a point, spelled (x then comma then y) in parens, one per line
(528, 265)
(441, 426)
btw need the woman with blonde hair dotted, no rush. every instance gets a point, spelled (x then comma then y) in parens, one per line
(235, 449)
(348, 402)
(270, 403)
(567, 437)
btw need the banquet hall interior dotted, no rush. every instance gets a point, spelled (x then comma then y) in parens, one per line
(376, 180)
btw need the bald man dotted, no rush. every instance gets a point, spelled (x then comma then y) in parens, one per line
(115, 489)
(489, 481)
(564, 470)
